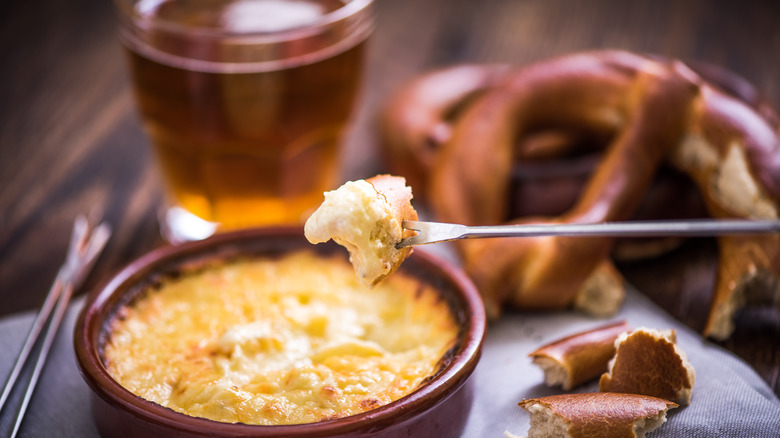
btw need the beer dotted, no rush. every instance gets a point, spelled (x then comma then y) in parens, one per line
(244, 135)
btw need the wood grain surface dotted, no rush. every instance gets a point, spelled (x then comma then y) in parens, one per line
(70, 139)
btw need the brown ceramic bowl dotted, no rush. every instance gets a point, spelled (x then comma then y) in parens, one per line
(438, 407)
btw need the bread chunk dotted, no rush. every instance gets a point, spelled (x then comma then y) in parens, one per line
(649, 362)
(578, 358)
(601, 414)
(365, 217)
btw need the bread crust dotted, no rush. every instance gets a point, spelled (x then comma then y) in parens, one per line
(650, 362)
(398, 196)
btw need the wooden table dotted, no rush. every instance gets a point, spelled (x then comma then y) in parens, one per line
(70, 138)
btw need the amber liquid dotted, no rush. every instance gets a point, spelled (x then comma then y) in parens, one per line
(250, 147)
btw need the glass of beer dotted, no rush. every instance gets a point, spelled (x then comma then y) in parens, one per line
(245, 102)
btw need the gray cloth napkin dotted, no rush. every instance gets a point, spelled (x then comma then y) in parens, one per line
(729, 398)
(60, 404)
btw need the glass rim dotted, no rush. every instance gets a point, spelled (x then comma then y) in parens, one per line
(128, 11)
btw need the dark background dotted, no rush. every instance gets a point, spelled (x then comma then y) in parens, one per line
(70, 139)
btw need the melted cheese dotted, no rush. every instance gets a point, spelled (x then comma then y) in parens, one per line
(286, 341)
(359, 218)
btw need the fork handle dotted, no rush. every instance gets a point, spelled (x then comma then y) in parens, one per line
(698, 227)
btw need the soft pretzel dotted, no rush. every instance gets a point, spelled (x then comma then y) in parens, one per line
(419, 119)
(365, 217)
(653, 112)
(650, 106)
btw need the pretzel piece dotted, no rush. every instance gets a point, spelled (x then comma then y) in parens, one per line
(600, 414)
(725, 139)
(578, 358)
(650, 362)
(365, 217)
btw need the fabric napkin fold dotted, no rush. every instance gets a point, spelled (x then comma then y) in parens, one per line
(729, 398)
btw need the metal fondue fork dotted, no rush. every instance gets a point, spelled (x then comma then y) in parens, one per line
(432, 232)
(86, 243)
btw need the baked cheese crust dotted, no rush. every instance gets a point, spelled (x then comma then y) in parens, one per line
(279, 341)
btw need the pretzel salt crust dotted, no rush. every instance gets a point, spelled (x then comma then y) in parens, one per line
(653, 112)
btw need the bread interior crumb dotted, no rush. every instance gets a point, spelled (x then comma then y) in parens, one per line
(546, 424)
(646, 425)
(554, 373)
